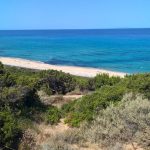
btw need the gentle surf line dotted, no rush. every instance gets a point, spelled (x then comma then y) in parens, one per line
(78, 71)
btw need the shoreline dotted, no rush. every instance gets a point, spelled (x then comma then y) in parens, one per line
(77, 71)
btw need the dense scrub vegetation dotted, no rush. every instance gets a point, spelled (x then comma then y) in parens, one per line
(108, 91)
(116, 127)
(86, 107)
(20, 104)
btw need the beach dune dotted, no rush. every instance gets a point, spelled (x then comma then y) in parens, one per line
(78, 71)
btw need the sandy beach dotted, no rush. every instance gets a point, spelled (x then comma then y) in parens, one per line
(79, 71)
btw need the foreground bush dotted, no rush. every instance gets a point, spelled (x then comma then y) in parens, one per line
(9, 130)
(126, 123)
(115, 127)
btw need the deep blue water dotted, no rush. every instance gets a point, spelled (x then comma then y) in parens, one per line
(126, 50)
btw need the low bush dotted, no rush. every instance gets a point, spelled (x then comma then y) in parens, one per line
(102, 80)
(9, 130)
(57, 82)
(53, 115)
(139, 83)
(86, 107)
(82, 84)
(128, 122)
(7, 80)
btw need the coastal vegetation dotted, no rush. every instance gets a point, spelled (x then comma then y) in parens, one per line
(112, 111)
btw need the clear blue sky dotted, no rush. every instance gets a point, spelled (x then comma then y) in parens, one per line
(74, 14)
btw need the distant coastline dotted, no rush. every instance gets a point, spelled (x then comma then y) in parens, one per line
(78, 71)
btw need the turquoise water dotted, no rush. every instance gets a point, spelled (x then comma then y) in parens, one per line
(126, 50)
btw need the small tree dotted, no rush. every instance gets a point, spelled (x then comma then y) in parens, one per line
(58, 82)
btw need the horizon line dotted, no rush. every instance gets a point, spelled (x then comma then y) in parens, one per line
(75, 29)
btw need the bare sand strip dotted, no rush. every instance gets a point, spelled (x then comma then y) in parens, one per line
(78, 71)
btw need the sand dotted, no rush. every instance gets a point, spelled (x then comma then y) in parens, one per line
(78, 71)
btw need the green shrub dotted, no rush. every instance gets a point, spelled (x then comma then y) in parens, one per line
(102, 80)
(9, 130)
(7, 80)
(69, 107)
(139, 83)
(18, 96)
(86, 107)
(27, 80)
(53, 115)
(82, 83)
(57, 82)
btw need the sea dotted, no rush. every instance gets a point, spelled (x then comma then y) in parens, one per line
(123, 50)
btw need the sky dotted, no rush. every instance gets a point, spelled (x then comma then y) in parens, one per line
(74, 14)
